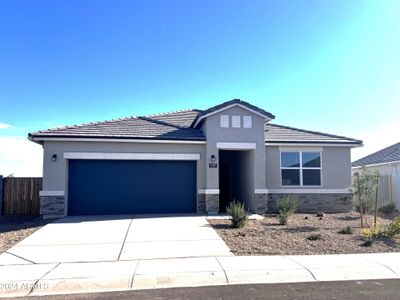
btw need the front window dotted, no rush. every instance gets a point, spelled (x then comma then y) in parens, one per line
(301, 168)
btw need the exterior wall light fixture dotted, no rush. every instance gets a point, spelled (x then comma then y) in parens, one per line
(213, 158)
(54, 157)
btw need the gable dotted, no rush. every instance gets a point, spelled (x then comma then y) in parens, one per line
(234, 118)
(219, 109)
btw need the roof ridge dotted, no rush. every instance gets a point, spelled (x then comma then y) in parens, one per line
(314, 132)
(168, 113)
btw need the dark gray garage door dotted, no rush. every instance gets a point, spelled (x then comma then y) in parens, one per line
(131, 186)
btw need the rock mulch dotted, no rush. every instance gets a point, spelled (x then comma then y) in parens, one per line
(14, 229)
(267, 237)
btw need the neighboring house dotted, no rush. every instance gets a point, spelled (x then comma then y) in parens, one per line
(387, 163)
(192, 161)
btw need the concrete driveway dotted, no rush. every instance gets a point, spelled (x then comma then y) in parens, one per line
(116, 238)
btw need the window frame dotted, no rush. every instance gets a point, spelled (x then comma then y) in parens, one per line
(300, 168)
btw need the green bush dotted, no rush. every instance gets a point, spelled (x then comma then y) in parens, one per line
(373, 232)
(314, 237)
(393, 228)
(387, 208)
(286, 208)
(238, 214)
(346, 230)
(364, 190)
(367, 243)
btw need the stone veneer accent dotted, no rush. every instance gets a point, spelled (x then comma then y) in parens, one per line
(201, 203)
(260, 203)
(52, 206)
(312, 203)
(212, 203)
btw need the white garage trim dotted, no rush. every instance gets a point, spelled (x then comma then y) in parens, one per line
(131, 156)
(236, 146)
(51, 193)
(209, 191)
(261, 191)
(309, 191)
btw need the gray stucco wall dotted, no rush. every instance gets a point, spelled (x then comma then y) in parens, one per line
(55, 173)
(336, 168)
(238, 135)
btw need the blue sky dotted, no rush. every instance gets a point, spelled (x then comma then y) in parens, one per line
(331, 66)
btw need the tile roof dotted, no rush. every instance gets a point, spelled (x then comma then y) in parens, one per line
(167, 126)
(386, 155)
(284, 134)
(178, 126)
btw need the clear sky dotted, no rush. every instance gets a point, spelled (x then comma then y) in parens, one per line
(332, 66)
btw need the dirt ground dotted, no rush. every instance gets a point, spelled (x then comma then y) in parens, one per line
(14, 229)
(267, 237)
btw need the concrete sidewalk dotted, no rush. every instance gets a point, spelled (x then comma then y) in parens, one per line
(64, 278)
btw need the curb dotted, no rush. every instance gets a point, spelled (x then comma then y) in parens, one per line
(66, 278)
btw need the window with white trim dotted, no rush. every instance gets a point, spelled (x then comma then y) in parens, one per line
(301, 168)
(224, 121)
(235, 121)
(247, 122)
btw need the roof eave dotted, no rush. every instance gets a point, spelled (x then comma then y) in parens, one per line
(358, 166)
(43, 138)
(353, 144)
(32, 139)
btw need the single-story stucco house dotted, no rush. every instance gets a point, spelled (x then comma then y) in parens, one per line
(192, 161)
(387, 163)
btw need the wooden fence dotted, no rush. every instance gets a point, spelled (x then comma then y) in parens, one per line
(21, 195)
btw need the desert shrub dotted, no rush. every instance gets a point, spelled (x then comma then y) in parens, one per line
(238, 214)
(377, 231)
(314, 237)
(346, 230)
(364, 192)
(367, 243)
(320, 214)
(286, 208)
(387, 208)
(373, 232)
(393, 228)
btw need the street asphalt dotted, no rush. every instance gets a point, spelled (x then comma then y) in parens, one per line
(371, 289)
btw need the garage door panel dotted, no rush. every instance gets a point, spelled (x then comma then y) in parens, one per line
(117, 187)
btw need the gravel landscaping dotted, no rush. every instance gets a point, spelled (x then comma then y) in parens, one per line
(267, 237)
(14, 229)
